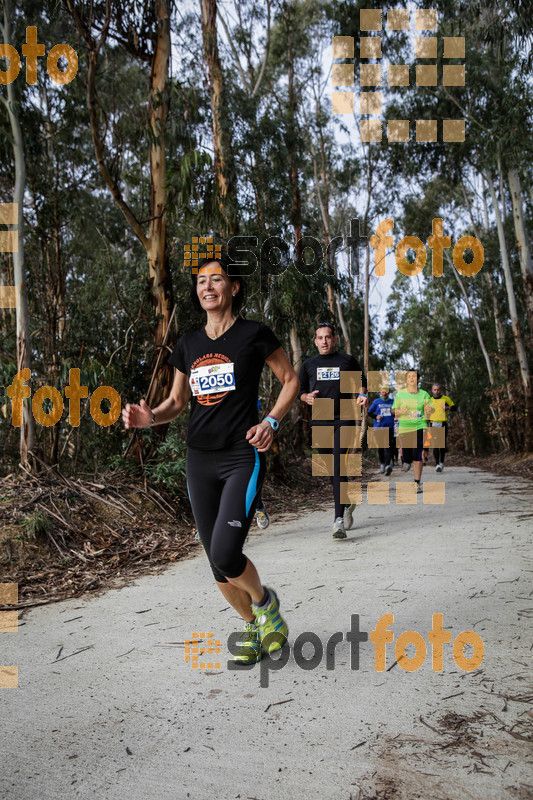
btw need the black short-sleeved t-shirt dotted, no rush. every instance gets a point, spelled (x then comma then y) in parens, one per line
(324, 373)
(224, 378)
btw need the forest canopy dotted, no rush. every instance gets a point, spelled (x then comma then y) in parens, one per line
(216, 120)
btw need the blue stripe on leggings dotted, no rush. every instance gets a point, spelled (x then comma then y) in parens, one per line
(251, 489)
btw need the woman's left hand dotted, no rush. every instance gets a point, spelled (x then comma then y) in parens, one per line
(261, 436)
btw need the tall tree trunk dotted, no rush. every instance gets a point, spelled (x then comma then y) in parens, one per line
(366, 336)
(366, 312)
(503, 439)
(325, 184)
(333, 295)
(296, 347)
(296, 201)
(156, 250)
(502, 191)
(342, 323)
(296, 205)
(27, 430)
(522, 242)
(333, 298)
(485, 273)
(154, 242)
(474, 319)
(53, 274)
(366, 327)
(295, 219)
(520, 351)
(498, 324)
(224, 161)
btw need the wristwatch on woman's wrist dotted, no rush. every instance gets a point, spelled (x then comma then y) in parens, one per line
(272, 421)
(152, 422)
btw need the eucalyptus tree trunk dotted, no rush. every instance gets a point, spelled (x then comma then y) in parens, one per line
(296, 347)
(366, 336)
(156, 247)
(154, 239)
(322, 190)
(27, 430)
(507, 437)
(503, 439)
(53, 268)
(498, 324)
(520, 350)
(296, 204)
(522, 242)
(224, 160)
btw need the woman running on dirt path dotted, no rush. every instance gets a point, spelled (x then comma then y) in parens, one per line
(218, 367)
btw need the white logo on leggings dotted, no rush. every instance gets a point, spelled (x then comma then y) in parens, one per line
(235, 523)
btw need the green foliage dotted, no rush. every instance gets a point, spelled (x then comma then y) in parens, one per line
(90, 302)
(168, 468)
(35, 524)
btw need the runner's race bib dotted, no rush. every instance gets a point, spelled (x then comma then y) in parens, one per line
(385, 412)
(436, 424)
(328, 373)
(212, 379)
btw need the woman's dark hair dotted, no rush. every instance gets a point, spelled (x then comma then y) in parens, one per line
(413, 370)
(227, 266)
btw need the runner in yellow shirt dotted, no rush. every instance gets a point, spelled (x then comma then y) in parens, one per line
(439, 419)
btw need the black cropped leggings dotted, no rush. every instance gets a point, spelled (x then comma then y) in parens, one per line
(340, 455)
(441, 452)
(223, 489)
(386, 454)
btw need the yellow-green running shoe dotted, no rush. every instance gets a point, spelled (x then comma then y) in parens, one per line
(273, 629)
(249, 645)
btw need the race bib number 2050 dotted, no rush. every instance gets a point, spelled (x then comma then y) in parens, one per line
(212, 378)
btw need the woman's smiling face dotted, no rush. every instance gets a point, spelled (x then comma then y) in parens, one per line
(214, 288)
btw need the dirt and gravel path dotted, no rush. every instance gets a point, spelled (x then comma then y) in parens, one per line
(107, 707)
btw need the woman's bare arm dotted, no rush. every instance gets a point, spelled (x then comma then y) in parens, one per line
(262, 435)
(140, 416)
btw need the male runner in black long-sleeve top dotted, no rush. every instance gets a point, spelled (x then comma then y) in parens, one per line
(320, 376)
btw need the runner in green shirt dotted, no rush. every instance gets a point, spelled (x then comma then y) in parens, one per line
(412, 407)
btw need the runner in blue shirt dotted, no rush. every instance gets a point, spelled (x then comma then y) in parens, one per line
(381, 412)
